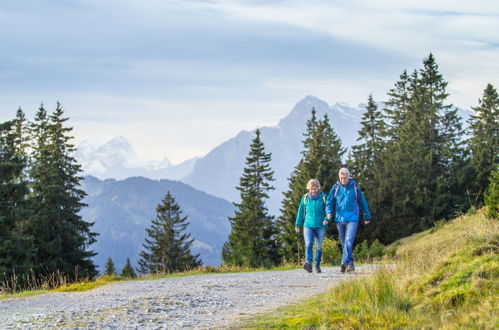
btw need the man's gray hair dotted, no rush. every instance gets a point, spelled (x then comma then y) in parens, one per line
(344, 170)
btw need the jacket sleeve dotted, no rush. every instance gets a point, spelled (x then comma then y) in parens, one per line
(299, 216)
(364, 206)
(330, 202)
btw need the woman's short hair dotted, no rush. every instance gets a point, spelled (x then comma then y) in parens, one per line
(344, 170)
(313, 183)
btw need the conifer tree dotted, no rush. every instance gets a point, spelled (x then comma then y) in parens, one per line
(420, 162)
(366, 158)
(326, 155)
(16, 245)
(366, 155)
(252, 238)
(451, 171)
(167, 248)
(61, 236)
(484, 143)
(109, 269)
(396, 107)
(443, 137)
(321, 159)
(382, 192)
(127, 271)
(290, 246)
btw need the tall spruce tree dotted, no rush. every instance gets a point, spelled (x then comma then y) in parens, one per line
(452, 169)
(366, 154)
(365, 163)
(16, 245)
(382, 192)
(252, 238)
(168, 246)
(290, 243)
(321, 159)
(61, 236)
(420, 167)
(327, 151)
(446, 142)
(484, 143)
(396, 107)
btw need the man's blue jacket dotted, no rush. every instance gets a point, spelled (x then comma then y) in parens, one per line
(347, 208)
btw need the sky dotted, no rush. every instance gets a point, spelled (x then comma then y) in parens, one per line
(177, 78)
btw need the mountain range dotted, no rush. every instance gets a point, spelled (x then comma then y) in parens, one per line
(222, 167)
(218, 172)
(123, 209)
(116, 159)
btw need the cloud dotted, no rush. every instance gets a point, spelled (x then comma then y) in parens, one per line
(232, 62)
(157, 51)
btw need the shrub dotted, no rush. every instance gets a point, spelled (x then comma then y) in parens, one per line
(364, 252)
(331, 252)
(492, 195)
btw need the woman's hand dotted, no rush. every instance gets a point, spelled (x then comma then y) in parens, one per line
(297, 229)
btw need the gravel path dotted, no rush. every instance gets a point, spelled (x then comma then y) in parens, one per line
(201, 302)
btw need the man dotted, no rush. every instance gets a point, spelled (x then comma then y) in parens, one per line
(344, 201)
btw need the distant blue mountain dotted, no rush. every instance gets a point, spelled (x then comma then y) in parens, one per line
(122, 210)
(223, 166)
(219, 171)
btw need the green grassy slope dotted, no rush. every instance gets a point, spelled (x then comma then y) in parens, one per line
(446, 277)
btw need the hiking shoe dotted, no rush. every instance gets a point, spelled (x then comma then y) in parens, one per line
(318, 269)
(343, 268)
(307, 267)
(350, 268)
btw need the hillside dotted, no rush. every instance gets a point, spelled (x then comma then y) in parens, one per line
(445, 277)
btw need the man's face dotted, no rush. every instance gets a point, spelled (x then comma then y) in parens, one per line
(344, 179)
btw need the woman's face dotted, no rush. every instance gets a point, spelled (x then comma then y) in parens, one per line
(314, 190)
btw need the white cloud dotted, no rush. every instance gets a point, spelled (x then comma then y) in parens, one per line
(157, 69)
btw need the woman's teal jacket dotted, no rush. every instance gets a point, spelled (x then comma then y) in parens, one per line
(313, 211)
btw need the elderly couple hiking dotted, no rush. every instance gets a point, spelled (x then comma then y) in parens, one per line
(316, 211)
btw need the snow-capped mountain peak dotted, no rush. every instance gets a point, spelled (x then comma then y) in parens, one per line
(117, 159)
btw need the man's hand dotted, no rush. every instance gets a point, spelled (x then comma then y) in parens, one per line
(366, 222)
(325, 222)
(329, 216)
(297, 229)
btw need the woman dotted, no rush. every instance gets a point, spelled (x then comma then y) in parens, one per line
(312, 216)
